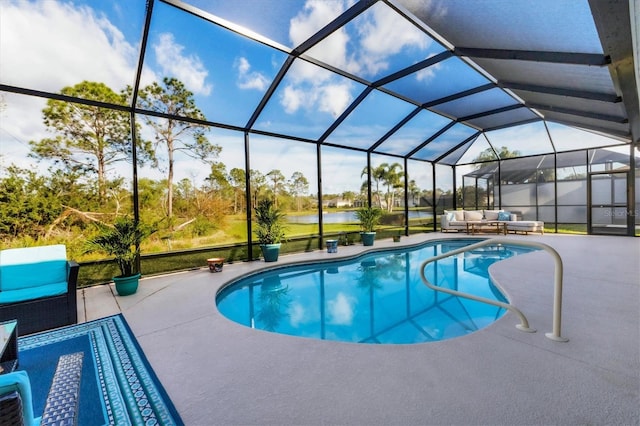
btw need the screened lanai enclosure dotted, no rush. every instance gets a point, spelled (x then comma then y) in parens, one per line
(184, 115)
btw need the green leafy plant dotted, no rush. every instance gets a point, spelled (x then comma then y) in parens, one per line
(369, 218)
(270, 223)
(122, 241)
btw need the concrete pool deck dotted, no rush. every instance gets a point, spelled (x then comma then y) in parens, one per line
(220, 373)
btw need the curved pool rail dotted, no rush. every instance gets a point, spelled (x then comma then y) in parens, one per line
(555, 335)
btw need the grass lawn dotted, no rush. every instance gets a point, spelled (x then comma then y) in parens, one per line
(183, 250)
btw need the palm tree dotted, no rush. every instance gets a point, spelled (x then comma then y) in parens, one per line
(273, 303)
(414, 190)
(122, 241)
(377, 176)
(391, 176)
(349, 196)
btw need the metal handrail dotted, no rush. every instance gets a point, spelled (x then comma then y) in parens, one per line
(524, 324)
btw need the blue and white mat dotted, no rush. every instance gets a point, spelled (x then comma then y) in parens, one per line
(118, 384)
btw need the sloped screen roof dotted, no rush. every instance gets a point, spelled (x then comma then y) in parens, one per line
(412, 79)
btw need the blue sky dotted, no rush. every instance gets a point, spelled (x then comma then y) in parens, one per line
(99, 40)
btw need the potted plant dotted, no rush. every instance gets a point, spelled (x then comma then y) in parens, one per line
(369, 218)
(122, 241)
(269, 230)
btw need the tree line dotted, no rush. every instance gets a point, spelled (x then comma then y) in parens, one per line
(89, 141)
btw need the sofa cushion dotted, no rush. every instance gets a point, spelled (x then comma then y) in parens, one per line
(31, 293)
(453, 215)
(37, 254)
(472, 215)
(23, 268)
(492, 214)
(504, 216)
(458, 223)
(526, 225)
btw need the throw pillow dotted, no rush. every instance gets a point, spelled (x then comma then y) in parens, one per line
(473, 215)
(491, 214)
(504, 216)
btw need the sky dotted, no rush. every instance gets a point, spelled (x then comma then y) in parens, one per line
(62, 38)
(47, 45)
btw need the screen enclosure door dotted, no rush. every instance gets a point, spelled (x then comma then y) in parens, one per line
(608, 203)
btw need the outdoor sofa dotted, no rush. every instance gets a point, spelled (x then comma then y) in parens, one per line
(457, 220)
(38, 287)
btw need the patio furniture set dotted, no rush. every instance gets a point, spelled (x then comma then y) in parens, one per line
(487, 221)
(16, 398)
(38, 287)
(37, 292)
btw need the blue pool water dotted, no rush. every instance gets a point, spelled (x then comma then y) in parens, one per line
(374, 298)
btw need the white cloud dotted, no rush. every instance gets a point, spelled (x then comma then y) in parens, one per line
(313, 17)
(341, 310)
(49, 45)
(306, 72)
(333, 50)
(20, 122)
(242, 65)
(380, 38)
(334, 99)
(188, 69)
(341, 170)
(375, 38)
(425, 75)
(297, 314)
(248, 79)
(292, 99)
(312, 88)
(315, 89)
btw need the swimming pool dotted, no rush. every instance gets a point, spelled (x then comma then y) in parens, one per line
(375, 298)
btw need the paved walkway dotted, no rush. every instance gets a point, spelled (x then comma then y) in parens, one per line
(220, 373)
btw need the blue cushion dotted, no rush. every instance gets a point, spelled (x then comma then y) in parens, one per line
(21, 268)
(19, 381)
(504, 216)
(27, 275)
(31, 293)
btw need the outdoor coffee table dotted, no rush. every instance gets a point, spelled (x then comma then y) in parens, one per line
(487, 227)
(8, 346)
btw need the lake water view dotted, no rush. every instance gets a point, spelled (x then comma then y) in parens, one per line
(346, 217)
